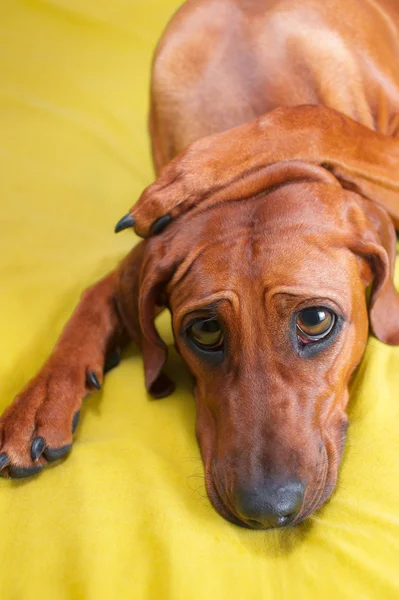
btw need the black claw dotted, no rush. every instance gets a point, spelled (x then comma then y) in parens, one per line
(20, 472)
(37, 448)
(124, 223)
(75, 420)
(53, 454)
(4, 460)
(91, 380)
(112, 361)
(160, 224)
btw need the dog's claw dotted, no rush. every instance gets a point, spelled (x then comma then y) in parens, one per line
(92, 381)
(4, 460)
(160, 224)
(75, 421)
(38, 445)
(53, 454)
(125, 222)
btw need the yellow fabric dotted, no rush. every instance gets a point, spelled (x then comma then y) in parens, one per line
(126, 516)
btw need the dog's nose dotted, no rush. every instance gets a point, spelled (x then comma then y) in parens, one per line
(271, 504)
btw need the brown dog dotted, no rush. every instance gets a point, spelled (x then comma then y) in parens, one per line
(272, 232)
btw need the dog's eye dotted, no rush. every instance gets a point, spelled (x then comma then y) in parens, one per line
(207, 334)
(314, 323)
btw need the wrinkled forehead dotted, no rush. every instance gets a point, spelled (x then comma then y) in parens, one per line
(286, 242)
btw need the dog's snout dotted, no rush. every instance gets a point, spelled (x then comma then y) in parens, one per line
(271, 504)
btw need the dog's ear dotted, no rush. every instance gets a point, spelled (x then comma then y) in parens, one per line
(143, 276)
(376, 242)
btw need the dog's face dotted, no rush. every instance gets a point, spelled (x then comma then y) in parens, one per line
(269, 313)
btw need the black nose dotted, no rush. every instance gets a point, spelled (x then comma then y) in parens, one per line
(274, 503)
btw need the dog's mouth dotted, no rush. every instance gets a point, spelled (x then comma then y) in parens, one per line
(221, 503)
(320, 493)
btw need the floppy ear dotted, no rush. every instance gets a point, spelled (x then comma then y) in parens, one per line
(143, 275)
(377, 244)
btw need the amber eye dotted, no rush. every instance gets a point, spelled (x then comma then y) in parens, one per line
(207, 334)
(314, 323)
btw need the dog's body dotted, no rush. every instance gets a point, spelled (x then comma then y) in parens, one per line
(283, 223)
(222, 63)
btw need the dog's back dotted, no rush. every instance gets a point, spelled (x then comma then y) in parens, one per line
(221, 63)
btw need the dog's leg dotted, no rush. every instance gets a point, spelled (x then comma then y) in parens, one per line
(38, 426)
(233, 164)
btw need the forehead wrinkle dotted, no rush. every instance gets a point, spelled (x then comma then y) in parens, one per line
(257, 220)
(186, 265)
(311, 258)
(200, 303)
(304, 292)
(262, 236)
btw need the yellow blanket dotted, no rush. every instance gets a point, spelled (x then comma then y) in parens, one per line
(126, 515)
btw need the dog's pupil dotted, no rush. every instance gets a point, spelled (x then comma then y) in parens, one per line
(313, 316)
(207, 333)
(210, 326)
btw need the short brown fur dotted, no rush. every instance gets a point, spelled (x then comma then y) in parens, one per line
(274, 130)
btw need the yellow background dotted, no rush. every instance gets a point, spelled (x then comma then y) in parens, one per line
(126, 515)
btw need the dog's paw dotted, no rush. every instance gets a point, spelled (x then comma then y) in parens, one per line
(38, 426)
(183, 184)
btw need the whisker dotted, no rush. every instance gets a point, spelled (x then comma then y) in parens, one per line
(195, 490)
(204, 500)
(195, 475)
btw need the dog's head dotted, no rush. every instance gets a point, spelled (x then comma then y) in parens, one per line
(269, 312)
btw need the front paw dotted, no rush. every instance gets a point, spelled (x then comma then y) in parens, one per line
(38, 426)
